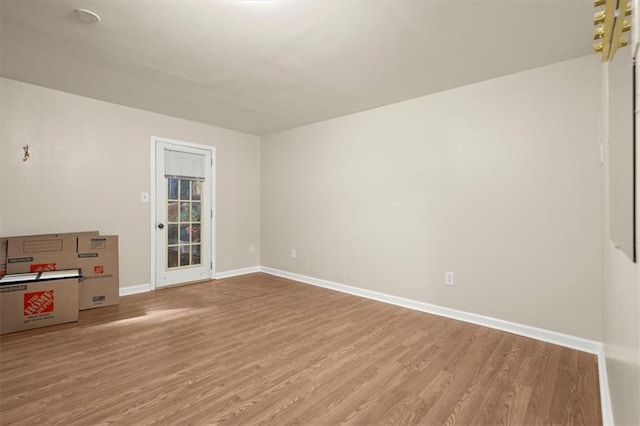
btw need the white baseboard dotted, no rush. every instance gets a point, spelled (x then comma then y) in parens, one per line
(143, 288)
(605, 396)
(543, 335)
(135, 289)
(573, 342)
(236, 272)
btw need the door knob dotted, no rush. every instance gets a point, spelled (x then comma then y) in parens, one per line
(161, 226)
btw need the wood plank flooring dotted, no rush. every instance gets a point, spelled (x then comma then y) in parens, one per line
(257, 349)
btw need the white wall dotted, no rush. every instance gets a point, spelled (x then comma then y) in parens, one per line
(499, 182)
(620, 288)
(90, 162)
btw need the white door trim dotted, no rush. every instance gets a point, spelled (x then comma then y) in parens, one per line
(152, 201)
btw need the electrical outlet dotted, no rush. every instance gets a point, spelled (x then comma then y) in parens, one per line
(294, 254)
(448, 278)
(252, 248)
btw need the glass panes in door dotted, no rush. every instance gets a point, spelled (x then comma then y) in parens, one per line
(184, 221)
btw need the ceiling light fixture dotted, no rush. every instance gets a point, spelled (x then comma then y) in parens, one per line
(87, 16)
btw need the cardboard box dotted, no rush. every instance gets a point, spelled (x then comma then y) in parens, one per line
(25, 305)
(4, 241)
(3, 256)
(41, 253)
(98, 260)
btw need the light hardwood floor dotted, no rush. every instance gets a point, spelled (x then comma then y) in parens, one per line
(260, 349)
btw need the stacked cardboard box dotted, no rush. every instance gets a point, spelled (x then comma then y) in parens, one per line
(39, 253)
(95, 255)
(36, 300)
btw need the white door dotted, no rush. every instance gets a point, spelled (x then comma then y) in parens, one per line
(184, 197)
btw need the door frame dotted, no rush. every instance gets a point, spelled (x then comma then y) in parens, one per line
(152, 200)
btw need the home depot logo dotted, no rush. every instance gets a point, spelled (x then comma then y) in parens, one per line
(41, 267)
(98, 269)
(38, 302)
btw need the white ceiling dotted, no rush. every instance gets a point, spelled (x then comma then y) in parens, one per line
(265, 66)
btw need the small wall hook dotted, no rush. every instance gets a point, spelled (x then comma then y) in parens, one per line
(26, 153)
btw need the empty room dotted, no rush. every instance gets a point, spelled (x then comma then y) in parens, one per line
(319, 212)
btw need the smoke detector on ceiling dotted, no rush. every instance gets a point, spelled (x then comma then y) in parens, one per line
(87, 16)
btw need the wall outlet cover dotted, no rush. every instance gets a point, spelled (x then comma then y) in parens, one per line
(449, 278)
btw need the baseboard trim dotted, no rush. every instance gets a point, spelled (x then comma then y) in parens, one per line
(236, 272)
(143, 288)
(605, 396)
(135, 289)
(572, 342)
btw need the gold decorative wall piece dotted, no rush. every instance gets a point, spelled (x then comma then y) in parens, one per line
(610, 24)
